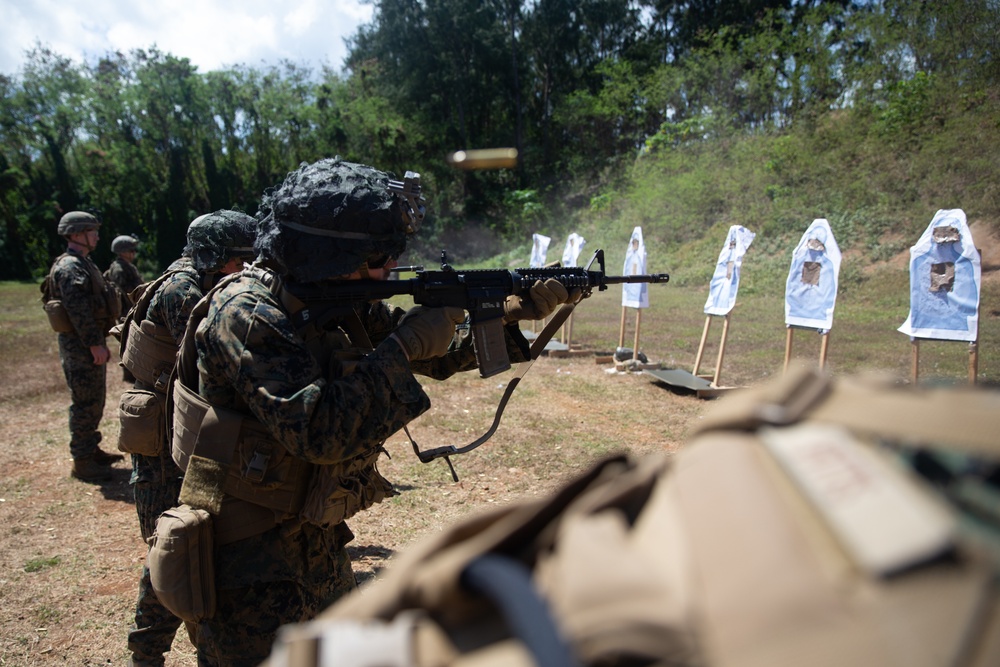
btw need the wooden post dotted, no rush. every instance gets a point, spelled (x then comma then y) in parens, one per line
(722, 351)
(973, 361)
(566, 332)
(915, 361)
(635, 345)
(621, 330)
(788, 348)
(701, 345)
(823, 346)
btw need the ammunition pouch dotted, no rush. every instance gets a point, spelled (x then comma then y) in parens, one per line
(336, 493)
(229, 456)
(149, 354)
(142, 422)
(58, 319)
(181, 563)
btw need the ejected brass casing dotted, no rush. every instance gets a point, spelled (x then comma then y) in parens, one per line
(484, 158)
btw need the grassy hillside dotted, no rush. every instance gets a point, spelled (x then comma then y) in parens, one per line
(878, 178)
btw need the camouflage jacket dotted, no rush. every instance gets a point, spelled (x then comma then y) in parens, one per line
(251, 358)
(124, 274)
(73, 278)
(173, 302)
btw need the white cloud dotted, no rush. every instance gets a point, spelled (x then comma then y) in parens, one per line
(302, 18)
(211, 33)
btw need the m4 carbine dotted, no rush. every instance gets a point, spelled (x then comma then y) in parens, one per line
(480, 292)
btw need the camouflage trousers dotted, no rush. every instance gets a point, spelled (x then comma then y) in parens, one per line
(246, 621)
(87, 384)
(157, 484)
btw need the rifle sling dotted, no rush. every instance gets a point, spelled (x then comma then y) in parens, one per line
(537, 346)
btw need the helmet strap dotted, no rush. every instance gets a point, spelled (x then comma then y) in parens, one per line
(84, 244)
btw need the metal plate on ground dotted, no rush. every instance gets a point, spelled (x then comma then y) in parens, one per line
(678, 378)
(556, 346)
(551, 346)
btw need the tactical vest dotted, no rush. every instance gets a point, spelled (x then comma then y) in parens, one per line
(237, 471)
(148, 350)
(105, 299)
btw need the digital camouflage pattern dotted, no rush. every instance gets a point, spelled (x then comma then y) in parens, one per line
(247, 619)
(350, 211)
(157, 480)
(72, 282)
(124, 274)
(173, 302)
(250, 356)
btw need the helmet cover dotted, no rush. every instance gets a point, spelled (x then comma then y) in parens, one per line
(215, 238)
(77, 221)
(329, 218)
(124, 243)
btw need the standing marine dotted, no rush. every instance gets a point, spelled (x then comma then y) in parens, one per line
(279, 419)
(217, 245)
(82, 307)
(122, 271)
(125, 275)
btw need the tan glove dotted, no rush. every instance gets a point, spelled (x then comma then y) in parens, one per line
(543, 298)
(425, 333)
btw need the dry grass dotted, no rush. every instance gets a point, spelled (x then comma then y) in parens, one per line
(71, 553)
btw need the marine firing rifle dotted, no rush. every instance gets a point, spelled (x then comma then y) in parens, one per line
(480, 292)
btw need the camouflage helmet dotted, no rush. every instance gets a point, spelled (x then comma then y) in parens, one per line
(77, 221)
(215, 238)
(124, 243)
(329, 218)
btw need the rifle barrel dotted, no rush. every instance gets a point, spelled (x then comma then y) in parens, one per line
(638, 278)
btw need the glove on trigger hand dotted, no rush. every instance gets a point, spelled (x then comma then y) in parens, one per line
(425, 332)
(543, 299)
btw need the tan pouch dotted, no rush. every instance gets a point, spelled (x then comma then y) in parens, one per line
(181, 563)
(58, 319)
(142, 426)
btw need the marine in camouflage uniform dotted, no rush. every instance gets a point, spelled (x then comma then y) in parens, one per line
(125, 275)
(217, 244)
(327, 395)
(122, 271)
(76, 281)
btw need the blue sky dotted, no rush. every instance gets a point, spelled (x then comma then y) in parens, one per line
(211, 33)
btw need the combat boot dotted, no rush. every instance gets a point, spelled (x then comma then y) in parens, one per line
(104, 458)
(87, 469)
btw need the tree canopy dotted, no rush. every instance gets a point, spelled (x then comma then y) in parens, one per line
(582, 89)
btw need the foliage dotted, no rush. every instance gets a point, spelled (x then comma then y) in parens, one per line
(678, 116)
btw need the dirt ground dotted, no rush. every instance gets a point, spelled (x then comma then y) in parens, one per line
(71, 552)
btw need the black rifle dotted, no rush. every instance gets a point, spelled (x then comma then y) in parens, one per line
(481, 292)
